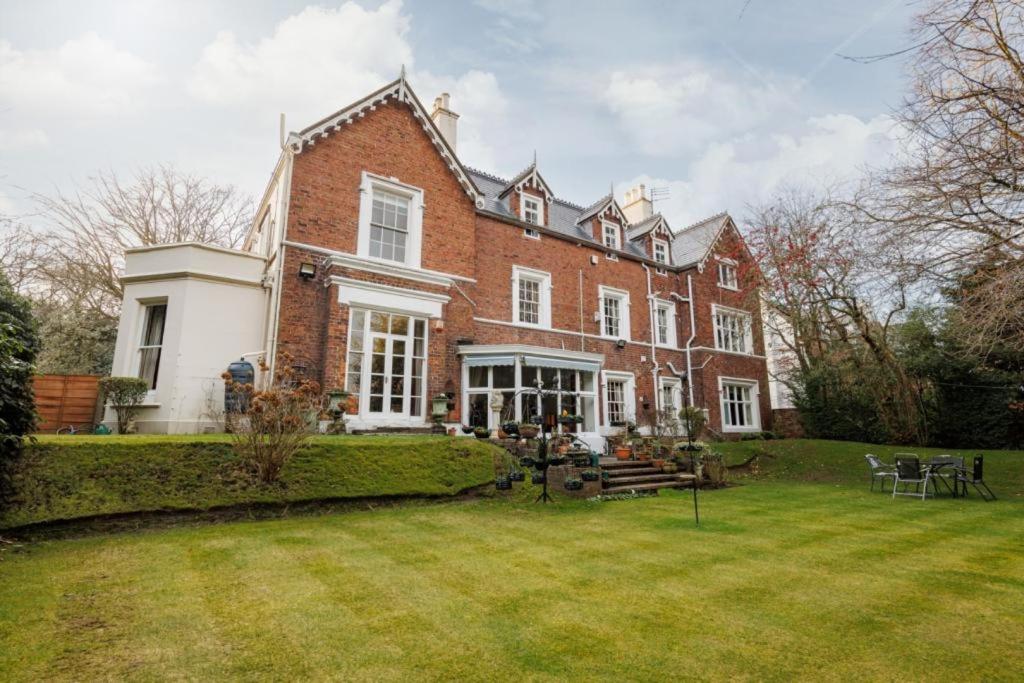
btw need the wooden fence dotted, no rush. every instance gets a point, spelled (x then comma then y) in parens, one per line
(63, 400)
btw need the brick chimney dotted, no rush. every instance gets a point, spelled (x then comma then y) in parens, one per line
(445, 119)
(636, 206)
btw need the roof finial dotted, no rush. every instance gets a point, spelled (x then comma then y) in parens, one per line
(611, 189)
(535, 157)
(401, 76)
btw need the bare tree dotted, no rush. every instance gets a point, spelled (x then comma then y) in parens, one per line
(832, 298)
(79, 256)
(954, 203)
(19, 252)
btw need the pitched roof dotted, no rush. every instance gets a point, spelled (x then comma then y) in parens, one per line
(693, 244)
(647, 225)
(563, 217)
(399, 91)
(528, 173)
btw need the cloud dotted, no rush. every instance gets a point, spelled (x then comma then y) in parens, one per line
(744, 171)
(666, 110)
(319, 60)
(84, 76)
(18, 139)
(313, 63)
(513, 9)
(481, 106)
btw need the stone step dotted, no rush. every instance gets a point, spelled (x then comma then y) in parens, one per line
(647, 487)
(628, 471)
(624, 464)
(642, 479)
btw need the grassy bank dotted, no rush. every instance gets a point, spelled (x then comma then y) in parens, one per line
(65, 478)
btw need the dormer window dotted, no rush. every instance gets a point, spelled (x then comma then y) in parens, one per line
(611, 235)
(531, 209)
(660, 251)
(727, 275)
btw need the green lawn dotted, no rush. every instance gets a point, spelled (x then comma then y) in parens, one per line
(785, 579)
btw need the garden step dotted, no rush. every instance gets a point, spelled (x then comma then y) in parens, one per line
(627, 471)
(647, 487)
(642, 478)
(624, 464)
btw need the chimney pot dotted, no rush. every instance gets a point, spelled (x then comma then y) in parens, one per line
(445, 119)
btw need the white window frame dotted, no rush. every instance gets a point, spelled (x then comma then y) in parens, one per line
(755, 403)
(677, 394)
(655, 243)
(616, 235)
(629, 397)
(723, 268)
(523, 196)
(414, 240)
(748, 336)
(144, 306)
(671, 341)
(530, 233)
(623, 298)
(544, 279)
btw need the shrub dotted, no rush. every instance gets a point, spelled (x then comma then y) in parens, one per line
(279, 420)
(693, 419)
(19, 344)
(125, 395)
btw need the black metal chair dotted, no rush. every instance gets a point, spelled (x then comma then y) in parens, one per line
(909, 471)
(879, 470)
(976, 479)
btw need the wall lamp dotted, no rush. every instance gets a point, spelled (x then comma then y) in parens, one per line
(307, 271)
(621, 344)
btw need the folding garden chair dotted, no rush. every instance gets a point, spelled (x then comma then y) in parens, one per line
(909, 471)
(879, 470)
(976, 479)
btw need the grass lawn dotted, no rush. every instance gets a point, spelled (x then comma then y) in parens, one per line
(785, 578)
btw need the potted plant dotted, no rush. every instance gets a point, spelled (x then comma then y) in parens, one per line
(669, 467)
(466, 429)
(517, 475)
(573, 484)
(527, 461)
(503, 483)
(623, 451)
(556, 460)
(482, 432)
(511, 428)
(590, 475)
(537, 478)
(528, 431)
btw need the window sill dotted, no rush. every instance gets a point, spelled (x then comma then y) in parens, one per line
(741, 430)
(727, 287)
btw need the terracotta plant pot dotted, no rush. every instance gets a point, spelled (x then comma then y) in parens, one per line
(623, 453)
(451, 431)
(658, 462)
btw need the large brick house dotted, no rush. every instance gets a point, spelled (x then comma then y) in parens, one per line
(383, 265)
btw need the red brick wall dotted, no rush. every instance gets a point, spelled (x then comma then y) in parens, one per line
(324, 212)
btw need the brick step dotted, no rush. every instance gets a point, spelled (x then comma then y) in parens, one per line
(654, 486)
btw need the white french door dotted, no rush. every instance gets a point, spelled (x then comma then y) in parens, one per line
(387, 364)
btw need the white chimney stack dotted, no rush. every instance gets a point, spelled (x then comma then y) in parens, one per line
(637, 207)
(445, 119)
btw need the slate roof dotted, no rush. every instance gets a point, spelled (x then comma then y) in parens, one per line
(689, 246)
(562, 216)
(692, 244)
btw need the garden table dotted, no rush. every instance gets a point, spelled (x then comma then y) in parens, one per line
(936, 467)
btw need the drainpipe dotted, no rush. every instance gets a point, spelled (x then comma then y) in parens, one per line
(654, 347)
(279, 280)
(693, 335)
(583, 338)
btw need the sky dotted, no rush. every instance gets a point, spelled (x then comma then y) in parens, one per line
(719, 103)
